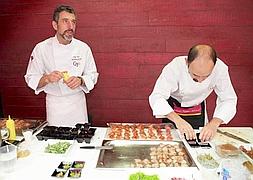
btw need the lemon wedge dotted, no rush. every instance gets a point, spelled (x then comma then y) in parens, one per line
(65, 75)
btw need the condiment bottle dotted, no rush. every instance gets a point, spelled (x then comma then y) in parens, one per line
(10, 125)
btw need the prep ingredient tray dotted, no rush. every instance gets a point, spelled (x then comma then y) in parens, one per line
(21, 124)
(81, 132)
(72, 169)
(141, 131)
(57, 147)
(247, 150)
(144, 154)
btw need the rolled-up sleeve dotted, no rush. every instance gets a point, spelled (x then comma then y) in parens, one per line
(165, 84)
(226, 98)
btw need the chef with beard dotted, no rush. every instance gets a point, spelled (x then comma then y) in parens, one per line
(64, 68)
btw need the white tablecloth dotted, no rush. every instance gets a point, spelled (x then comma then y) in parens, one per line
(40, 165)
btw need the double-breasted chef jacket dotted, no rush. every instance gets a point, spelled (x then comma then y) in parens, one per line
(64, 106)
(175, 81)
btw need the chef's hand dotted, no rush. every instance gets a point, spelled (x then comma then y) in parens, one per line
(73, 82)
(54, 76)
(183, 126)
(209, 130)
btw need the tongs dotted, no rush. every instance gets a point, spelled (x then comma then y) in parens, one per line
(97, 147)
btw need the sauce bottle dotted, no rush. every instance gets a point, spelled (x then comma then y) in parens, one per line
(10, 125)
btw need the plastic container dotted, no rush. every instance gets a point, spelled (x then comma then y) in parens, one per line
(227, 150)
(232, 169)
(8, 158)
(207, 161)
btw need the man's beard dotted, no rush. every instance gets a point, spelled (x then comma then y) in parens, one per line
(66, 36)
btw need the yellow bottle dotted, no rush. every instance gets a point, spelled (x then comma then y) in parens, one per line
(10, 125)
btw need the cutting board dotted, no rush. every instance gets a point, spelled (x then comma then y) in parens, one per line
(243, 132)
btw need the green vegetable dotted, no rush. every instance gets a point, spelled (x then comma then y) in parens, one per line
(79, 165)
(57, 148)
(75, 174)
(60, 174)
(142, 176)
(207, 161)
(66, 166)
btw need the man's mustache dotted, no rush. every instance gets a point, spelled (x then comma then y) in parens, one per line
(69, 30)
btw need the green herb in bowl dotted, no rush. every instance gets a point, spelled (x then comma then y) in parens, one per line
(57, 148)
(142, 176)
(78, 164)
(74, 173)
(65, 165)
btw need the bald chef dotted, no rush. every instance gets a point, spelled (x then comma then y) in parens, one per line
(183, 86)
(63, 67)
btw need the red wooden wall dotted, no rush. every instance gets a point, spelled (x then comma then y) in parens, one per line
(131, 40)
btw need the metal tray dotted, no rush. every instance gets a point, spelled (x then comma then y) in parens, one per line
(21, 124)
(128, 154)
(247, 147)
(125, 131)
(81, 132)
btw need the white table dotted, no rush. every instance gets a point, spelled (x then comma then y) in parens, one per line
(40, 165)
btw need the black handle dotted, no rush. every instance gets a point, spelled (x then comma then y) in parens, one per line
(87, 147)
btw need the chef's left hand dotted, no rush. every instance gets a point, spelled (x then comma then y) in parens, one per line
(73, 82)
(209, 130)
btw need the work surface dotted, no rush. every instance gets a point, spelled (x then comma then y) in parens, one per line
(40, 165)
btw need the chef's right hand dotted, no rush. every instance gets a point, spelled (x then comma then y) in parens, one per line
(54, 76)
(183, 126)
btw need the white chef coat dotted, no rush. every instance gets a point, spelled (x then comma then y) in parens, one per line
(175, 81)
(64, 105)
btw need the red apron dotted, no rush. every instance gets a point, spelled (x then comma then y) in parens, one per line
(194, 115)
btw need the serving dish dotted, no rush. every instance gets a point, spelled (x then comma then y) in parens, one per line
(141, 131)
(56, 147)
(81, 132)
(144, 154)
(247, 151)
(21, 124)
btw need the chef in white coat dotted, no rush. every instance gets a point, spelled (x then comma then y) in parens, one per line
(184, 84)
(64, 68)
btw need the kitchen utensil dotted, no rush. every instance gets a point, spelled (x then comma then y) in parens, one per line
(232, 136)
(96, 147)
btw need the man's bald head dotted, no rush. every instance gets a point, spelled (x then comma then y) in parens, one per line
(205, 52)
(201, 61)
